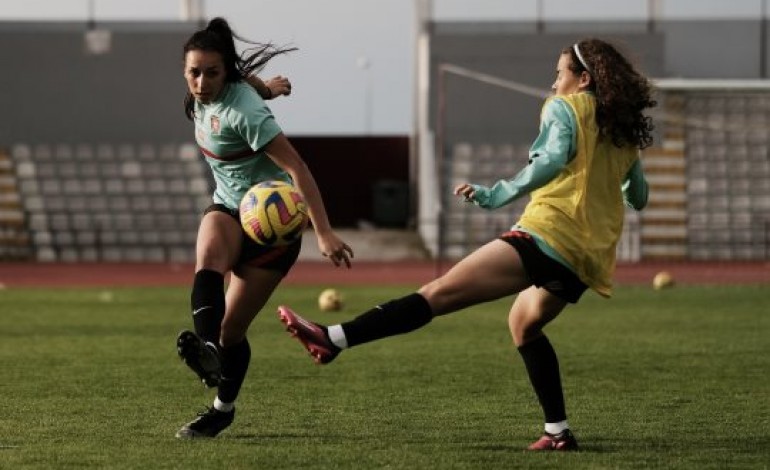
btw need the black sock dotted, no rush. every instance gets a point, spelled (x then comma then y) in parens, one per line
(543, 369)
(208, 304)
(235, 363)
(393, 318)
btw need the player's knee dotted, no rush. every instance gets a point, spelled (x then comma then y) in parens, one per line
(523, 329)
(438, 297)
(212, 259)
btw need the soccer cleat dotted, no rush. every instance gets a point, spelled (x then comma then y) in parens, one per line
(201, 357)
(209, 423)
(312, 336)
(563, 441)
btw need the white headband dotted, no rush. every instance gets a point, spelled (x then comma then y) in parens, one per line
(580, 57)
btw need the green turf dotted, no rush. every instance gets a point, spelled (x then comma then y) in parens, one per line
(654, 379)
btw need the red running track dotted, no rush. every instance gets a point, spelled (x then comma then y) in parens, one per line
(13, 274)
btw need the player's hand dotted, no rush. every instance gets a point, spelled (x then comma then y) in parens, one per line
(465, 191)
(278, 86)
(335, 249)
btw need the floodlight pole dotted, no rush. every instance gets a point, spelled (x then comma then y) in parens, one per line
(440, 168)
(653, 14)
(539, 20)
(763, 41)
(192, 10)
(91, 15)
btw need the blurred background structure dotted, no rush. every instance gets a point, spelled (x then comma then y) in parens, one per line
(395, 102)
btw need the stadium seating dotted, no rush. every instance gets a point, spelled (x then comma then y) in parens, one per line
(15, 242)
(709, 187)
(87, 203)
(466, 227)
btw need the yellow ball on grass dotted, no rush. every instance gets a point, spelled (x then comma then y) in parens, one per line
(330, 300)
(662, 280)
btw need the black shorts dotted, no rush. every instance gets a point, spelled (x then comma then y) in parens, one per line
(543, 270)
(274, 258)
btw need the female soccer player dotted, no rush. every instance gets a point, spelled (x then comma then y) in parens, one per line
(243, 145)
(583, 166)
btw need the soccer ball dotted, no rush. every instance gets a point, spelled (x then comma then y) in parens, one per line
(330, 300)
(662, 280)
(273, 213)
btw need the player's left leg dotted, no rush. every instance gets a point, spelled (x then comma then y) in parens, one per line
(250, 288)
(247, 293)
(531, 311)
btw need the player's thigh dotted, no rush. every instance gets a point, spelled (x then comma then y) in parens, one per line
(248, 291)
(219, 242)
(532, 310)
(493, 271)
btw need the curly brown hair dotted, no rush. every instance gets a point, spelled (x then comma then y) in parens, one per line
(622, 93)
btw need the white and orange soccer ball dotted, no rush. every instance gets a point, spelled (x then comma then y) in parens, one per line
(273, 213)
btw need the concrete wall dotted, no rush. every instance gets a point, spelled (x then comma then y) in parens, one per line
(55, 92)
(475, 111)
(526, 52)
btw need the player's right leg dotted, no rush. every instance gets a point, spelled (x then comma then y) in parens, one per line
(201, 357)
(491, 272)
(313, 337)
(217, 248)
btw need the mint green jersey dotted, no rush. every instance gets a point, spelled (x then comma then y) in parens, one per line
(232, 133)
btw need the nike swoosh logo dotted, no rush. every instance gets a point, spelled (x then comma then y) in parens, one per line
(199, 310)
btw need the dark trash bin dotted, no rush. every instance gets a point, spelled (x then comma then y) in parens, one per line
(391, 203)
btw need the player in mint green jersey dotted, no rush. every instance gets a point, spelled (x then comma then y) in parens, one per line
(584, 165)
(243, 145)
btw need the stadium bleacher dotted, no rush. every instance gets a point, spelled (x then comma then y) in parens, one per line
(109, 202)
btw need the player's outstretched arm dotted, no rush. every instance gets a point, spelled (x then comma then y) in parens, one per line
(285, 156)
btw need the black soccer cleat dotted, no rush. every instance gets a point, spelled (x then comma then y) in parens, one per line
(201, 357)
(208, 424)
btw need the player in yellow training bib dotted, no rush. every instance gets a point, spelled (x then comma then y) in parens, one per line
(583, 166)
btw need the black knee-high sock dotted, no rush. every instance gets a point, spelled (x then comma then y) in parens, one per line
(395, 317)
(208, 304)
(543, 369)
(235, 363)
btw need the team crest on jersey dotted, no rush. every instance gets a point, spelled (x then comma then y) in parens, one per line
(215, 124)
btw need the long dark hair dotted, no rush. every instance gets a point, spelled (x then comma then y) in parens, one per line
(622, 93)
(218, 37)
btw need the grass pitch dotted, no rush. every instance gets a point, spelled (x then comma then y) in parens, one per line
(677, 378)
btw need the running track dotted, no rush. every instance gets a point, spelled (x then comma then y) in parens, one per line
(14, 274)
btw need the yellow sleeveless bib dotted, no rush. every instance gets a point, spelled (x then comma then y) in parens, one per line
(580, 212)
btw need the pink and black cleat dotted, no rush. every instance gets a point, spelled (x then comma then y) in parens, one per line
(312, 336)
(564, 441)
